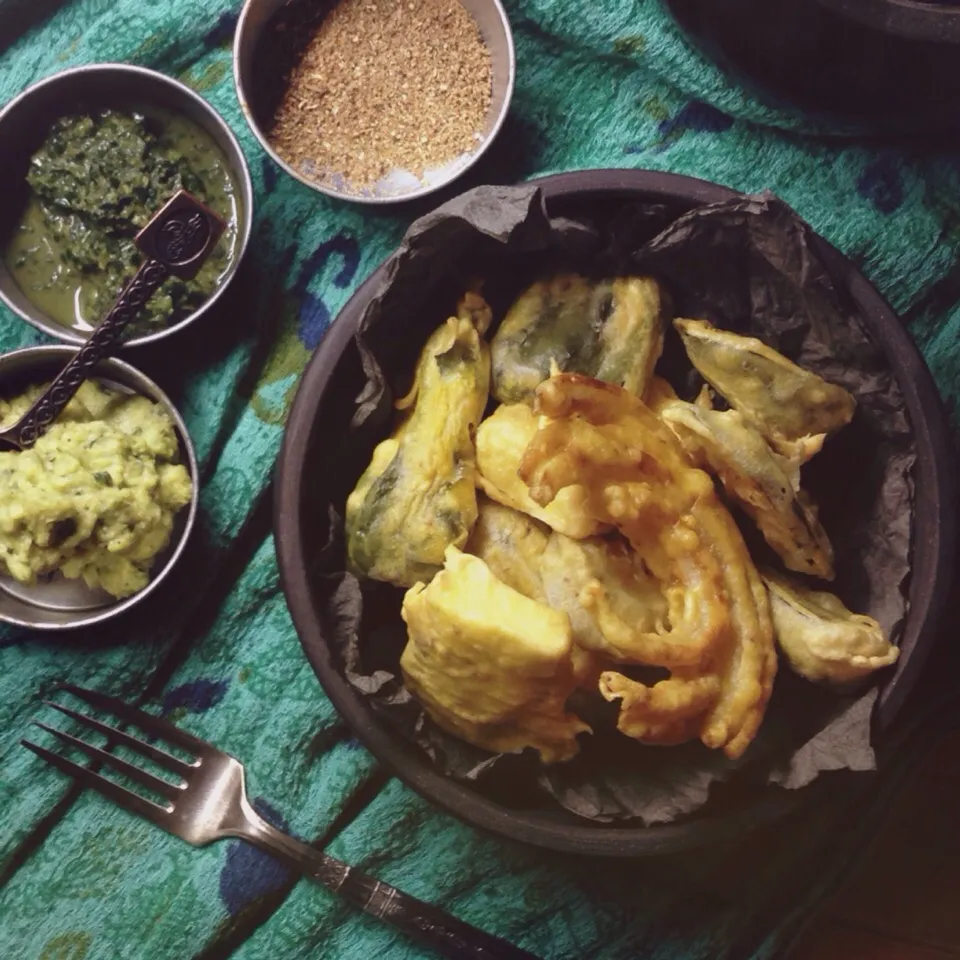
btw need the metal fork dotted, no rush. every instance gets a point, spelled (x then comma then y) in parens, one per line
(210, 803)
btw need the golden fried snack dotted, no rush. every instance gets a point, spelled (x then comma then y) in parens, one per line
(749, 666)
(511, 544)
(658, 392)
(501, 441)
(640, 480)
(488, 664)
(610, 329)
(821, 639)
(735, 691)
(762, 482)
(665, 714)
(418, 495)
(610, 598)
(792, 407)
(616, 607)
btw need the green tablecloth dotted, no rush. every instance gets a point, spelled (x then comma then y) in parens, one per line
(610, 83)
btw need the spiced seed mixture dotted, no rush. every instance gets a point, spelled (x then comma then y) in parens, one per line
(385, 84)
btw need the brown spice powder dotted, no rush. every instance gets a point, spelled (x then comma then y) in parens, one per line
(385, 84)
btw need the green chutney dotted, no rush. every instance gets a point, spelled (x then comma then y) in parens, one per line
(95, 183)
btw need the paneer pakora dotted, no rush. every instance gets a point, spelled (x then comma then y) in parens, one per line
(490, 664)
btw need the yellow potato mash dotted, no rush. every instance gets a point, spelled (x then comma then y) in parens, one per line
(96, 496)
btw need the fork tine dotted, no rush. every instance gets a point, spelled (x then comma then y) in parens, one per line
(163, 787)
(119, 795)
(146, 721)
(164, 759)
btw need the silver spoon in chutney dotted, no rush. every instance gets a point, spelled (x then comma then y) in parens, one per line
(176, 242)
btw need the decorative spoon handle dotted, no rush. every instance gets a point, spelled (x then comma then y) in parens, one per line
(134, 295)
(177, 241)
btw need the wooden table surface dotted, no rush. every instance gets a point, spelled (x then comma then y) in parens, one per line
(902, 902)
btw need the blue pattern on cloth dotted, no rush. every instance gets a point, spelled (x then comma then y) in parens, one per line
(249, 873)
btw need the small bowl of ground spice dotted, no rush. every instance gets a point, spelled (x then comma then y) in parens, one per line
(374, 101)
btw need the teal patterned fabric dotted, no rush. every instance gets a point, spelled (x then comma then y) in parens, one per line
(612, 83)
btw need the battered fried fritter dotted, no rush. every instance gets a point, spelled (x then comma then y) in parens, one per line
(610, 329)
(501, 441)
(821, 639)
(613, 603)
(792, 407)
(610, 598)
(666, 713)
(488, 664)
(758, 479)
(599, 583)
(511, 544)
(418, 495)
(640, 480)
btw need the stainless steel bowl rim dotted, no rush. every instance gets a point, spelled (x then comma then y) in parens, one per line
(244, 228)
(360, 198)
(51, 351)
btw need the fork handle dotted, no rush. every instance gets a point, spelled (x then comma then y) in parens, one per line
(423, 922)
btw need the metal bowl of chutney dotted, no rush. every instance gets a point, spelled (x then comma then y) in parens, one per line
(53, 602)
(102, 145)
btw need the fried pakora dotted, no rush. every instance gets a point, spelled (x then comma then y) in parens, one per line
(489, 664)
(821, 639)
(501, 441)
(610, 597)
(610, 329)
(418, 495)
(598, 541)
(640, 480)
(512, 545)
(792, 407)
(762, 482)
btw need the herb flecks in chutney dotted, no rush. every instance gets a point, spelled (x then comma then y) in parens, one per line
(96, 181)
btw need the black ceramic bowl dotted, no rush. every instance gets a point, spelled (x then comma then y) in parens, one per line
(885, 66)
(332, 380)
(936, 20)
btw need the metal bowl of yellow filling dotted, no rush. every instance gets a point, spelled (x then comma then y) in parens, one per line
(96, 514)
(87, 156)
